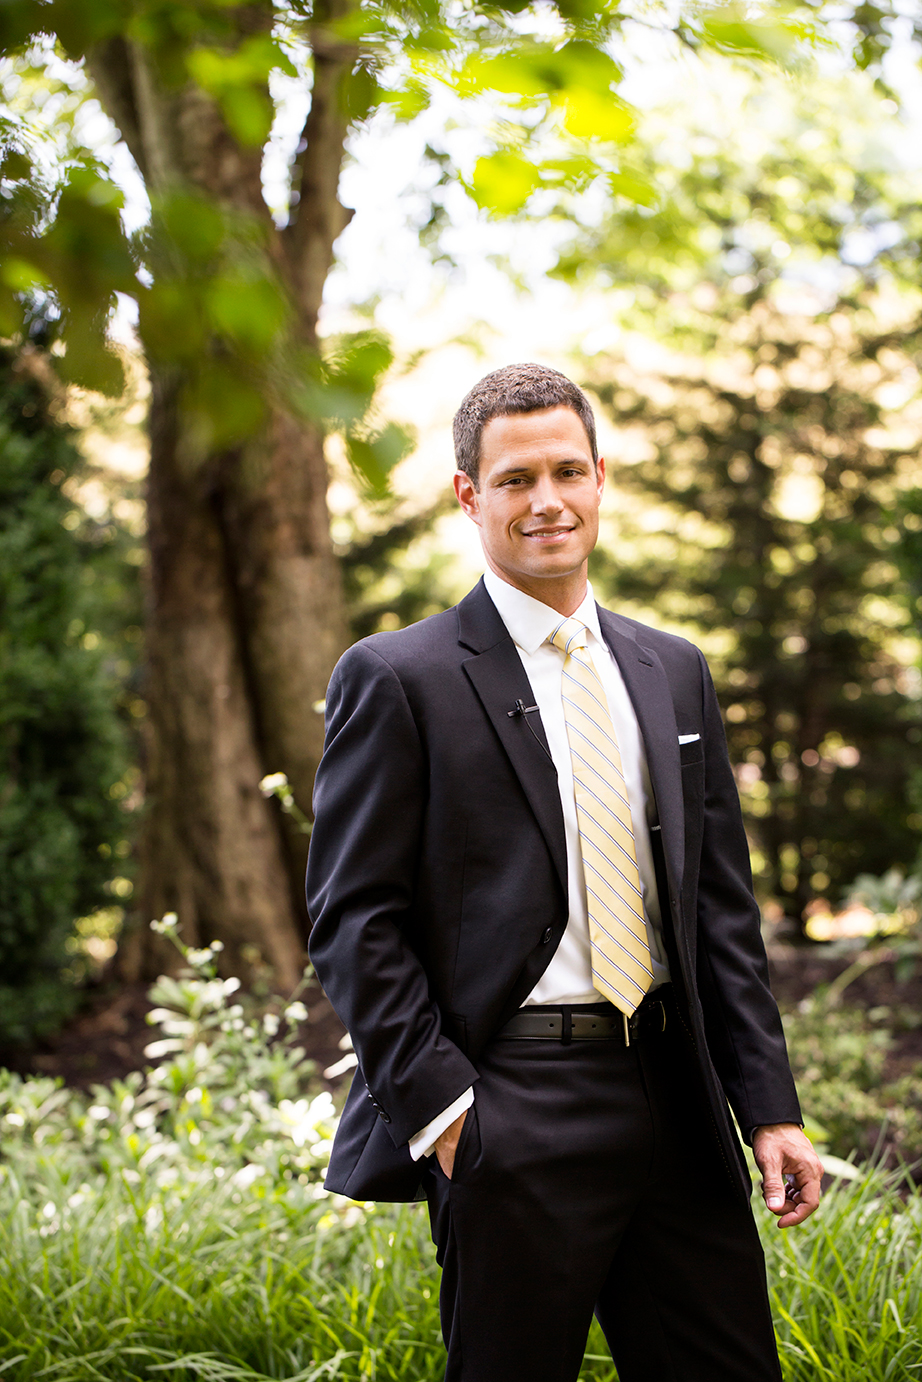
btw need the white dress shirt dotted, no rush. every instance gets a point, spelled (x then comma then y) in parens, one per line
(568, 977)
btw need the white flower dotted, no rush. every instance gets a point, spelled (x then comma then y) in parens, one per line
(299, 1118)
(166, 926)
(197, 958)
(272, 782)
(296, 1012)
(168, 1047)
(247, 1174)
(270, 1024)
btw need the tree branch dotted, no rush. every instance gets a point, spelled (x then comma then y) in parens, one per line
(319, 217)
(110, 66)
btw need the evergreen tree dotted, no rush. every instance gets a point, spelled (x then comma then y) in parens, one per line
(772, 484)
(62, 746)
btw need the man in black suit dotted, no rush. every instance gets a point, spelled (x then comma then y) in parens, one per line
(532, 908)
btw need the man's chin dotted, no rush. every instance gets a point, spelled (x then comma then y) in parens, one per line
(545, 572)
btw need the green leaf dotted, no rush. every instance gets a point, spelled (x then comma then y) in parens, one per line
(634, 188)
(503, 182)
(373, 458)
(16, 166)
(359, 93)
(171, 322)
(588, 115)
(88, 360)
(252, 311)
(19, 19)
(728, 32)
(248, 113)
(221, 408)
(11, 313)
(195, 224)
(238, 80)
(408, 101)
(528, 74)
(359, 361)
(22, 276)
(81, 23)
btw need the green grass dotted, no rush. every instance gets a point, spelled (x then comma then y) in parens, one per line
(126, 1278)
(847, 1286)
(172, 1226)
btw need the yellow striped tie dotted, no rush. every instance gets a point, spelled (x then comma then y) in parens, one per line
(621, 967)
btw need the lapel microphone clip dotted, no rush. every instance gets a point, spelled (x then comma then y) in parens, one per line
(520, 708)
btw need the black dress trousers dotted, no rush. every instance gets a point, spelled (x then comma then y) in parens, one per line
(588, 1178)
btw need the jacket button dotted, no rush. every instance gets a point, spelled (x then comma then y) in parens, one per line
(547, 936)
(385, 1117)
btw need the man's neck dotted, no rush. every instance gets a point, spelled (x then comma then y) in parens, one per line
(564, 594)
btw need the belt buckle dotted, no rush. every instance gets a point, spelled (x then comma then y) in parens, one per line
(632, 1023)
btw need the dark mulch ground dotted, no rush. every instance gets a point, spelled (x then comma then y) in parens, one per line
(797, 972)
(106, 1039)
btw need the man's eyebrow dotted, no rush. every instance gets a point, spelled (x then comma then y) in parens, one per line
(502, 470)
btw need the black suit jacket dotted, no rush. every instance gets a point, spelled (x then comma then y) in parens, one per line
(437, 879)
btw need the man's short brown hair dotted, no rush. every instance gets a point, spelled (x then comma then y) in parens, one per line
(514, 389)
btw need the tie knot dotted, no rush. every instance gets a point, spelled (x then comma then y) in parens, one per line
(569, 634)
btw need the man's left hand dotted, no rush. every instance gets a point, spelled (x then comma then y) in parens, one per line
(791, 1171)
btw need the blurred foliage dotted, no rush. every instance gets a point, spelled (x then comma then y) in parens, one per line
(895, 901)
(227, 1088)
(217, 285)
(765, 509)
(64, 761)
(838, 1056)
(779, 430)
(393, 571)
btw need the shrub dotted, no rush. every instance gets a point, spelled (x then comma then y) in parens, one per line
(62, 749)
(838, 1055)
(228, 1095)
(174, 1226)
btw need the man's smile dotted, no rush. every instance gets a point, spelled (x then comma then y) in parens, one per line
(548, 534)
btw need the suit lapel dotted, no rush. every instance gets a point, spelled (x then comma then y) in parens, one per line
(648, 688)
(499, 679)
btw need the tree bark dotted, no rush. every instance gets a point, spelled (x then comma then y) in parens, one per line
(291, 606)
(246, 615)
(211, 850)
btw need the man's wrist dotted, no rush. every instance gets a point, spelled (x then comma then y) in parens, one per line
(423, 1143)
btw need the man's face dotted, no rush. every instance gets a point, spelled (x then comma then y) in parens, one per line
(537, 505)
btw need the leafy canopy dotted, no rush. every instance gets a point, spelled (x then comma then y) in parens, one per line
(213, 282)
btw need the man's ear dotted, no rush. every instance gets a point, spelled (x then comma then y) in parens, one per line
(467, 495)
(600, 474)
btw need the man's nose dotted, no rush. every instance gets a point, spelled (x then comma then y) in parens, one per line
(545, 498)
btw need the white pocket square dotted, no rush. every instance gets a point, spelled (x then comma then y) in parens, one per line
(688, 738)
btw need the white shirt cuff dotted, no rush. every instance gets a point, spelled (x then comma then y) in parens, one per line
(423, 1142)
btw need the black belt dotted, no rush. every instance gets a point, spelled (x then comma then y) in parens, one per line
(583, 1022)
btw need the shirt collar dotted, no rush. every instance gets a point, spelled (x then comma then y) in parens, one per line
(529, 622)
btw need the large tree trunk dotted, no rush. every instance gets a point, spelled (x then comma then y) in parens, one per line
(211, 850)
(246, 613)
(291, 606)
